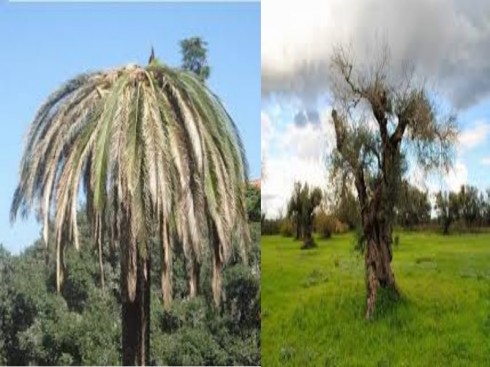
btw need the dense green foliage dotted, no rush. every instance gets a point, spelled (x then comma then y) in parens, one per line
(346, 208)
(270, 226)
(413, 207)
(253, 203)
(313, 305)
(82, 326)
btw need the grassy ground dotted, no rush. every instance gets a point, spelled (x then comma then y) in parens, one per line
(313, 304)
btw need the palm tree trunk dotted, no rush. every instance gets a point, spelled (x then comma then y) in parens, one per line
(60, 264)
(217, 267)
(166, 267)
(136, 315)
(193, 278)
(101, 266)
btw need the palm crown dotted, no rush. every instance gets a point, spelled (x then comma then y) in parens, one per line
(157, 155)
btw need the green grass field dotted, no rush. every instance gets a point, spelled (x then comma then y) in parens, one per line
(313, 304)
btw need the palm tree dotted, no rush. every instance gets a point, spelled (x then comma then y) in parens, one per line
(158, 157)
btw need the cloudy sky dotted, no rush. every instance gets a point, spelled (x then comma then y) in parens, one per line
(447, 41)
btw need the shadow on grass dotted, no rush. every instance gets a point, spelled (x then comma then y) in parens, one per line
(309, 244)
(388, 303)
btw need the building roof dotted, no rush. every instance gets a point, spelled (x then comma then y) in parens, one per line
(255, 182)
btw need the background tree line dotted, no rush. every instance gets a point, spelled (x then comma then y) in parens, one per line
(465, 210)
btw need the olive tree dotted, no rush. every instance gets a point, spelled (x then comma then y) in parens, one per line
(448, 208)
(301, 209)
(383, 119)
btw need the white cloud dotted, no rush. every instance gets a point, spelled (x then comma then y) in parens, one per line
(281, 174)
(307, 143)
(435, 181)
(417, 177)
(267, 130)
(485, 161)
(457, 176)
(294, 154)
(447, 41)
(474, 136)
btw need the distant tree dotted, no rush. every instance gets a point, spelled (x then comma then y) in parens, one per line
(482, 208)
(301, 208)
(324, 224)
(448, 209)
(195, 57)
(413, 206)
(294, 209)
(270, 226)
(375, 158)
(469, 205)
(487, 208)
(347, 208)
(311, 199)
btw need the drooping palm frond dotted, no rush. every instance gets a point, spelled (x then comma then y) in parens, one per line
(157, 155)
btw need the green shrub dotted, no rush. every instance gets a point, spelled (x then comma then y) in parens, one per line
(286, 228)
(325, 225)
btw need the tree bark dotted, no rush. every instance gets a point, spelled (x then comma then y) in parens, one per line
(136, 316)
(60, 264)
(101, 265)
(298, 229)
(378, 265)
(217, 268)
(377, 232)
(308, 241)
(166, 267)
(447, 223)
(193, 278)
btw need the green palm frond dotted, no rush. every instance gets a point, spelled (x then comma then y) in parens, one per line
(157, 155)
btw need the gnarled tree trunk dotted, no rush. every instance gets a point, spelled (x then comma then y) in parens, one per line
(298, 228)
(378, 264)
(377, 230)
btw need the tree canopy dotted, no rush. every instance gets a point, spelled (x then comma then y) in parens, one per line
(156, 154)
(195, 57)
